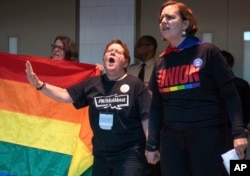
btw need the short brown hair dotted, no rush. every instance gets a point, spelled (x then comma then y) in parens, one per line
(186, 14)
(124, 46)
(70, 48)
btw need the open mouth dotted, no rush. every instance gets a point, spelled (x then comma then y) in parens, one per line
(165, 28)
(111, 60)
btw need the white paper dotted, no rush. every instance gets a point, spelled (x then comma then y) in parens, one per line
(229, 155)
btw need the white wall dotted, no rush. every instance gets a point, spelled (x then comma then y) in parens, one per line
(226, 20)
(36, 24)
(102, 21)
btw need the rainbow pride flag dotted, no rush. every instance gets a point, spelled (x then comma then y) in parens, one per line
(39, 136)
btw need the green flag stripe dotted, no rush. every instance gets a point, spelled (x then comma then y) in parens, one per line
(41, 162)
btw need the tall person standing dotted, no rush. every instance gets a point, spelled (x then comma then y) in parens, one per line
(192, 94)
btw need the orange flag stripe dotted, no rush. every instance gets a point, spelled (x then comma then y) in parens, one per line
(16, 93)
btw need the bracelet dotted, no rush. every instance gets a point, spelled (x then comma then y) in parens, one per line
(42, 86)
(151, 148)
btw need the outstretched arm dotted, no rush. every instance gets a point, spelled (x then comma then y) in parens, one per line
(54, 92)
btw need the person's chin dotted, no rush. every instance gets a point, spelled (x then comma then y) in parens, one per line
(110, 68)
(110, 65)
(58, 58)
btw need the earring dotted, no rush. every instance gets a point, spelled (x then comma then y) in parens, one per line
(184, 33)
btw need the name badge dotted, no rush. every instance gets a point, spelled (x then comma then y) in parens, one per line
(106, 121)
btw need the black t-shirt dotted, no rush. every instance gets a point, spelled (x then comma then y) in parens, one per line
(126, 101)
(192, 88)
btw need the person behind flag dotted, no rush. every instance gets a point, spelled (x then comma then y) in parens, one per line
(64, 48)
(193, 93)
(118, 111)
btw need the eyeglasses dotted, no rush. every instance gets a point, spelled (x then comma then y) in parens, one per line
(114, 51)
(61, 48)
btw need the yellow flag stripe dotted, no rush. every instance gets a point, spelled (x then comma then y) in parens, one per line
(38, 132)
(81, 161)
